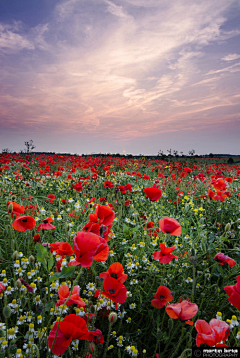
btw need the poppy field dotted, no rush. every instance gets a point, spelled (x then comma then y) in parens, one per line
(117, 257)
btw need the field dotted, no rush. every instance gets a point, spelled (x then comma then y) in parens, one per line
(117, 257)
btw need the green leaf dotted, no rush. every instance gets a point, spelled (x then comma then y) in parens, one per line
(50, 262)
(42, 252)
(66, 272)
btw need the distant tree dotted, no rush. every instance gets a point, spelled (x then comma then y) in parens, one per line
(175, 153)
(169, 152)
(6, 151)
(161, 154)
(230, 161)
(191, 152)
(29, 146)
(210, 155)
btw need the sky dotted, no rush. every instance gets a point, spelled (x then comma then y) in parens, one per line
(120, 76)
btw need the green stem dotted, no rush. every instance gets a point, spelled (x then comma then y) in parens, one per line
(107, 341)
(74, 283)
(179, 342)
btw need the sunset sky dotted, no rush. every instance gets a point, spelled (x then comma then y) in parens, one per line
(120, 76)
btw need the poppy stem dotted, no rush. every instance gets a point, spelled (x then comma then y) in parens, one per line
(179, 342)
(74, 283)
(108, 337)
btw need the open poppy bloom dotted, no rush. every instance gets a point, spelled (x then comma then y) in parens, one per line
(70, 328)
(115, 271)
(2, 287)
(17, 209)
(64, 248)
(164, 256)
(170, 226)
(108, 184)
(183, 311)
(114, 290)
(45, 225)
(85, 246)
(224, 259)
(50, 198)
(212, 333)
(24, 223)
(162, 296)
(220, 184)
(153, 194)
(234, 293)
(103, 215)
(78, 187)
(63, 293)
(102, 251)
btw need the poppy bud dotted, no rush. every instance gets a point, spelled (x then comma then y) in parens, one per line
(7, 311)
(13, 197)
(23, 301)
(170, 324)
(227, 227)
(15, 255)
(2, 333)
(18, 284)
(112, 317)
(10, 208)
(92, 348)
(31, 259)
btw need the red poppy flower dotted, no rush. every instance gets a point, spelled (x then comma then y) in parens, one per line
(85, 246)
(50, 197)
(70, 328)
(45, 225)
(114, 290)
(92, 227)
(164, 256)
(96, 336)
(102, 251)
(153, 194)
(162, 296)
(229, 179)
(63, 293)
(220, 184)
(234, 293)
(78, 187)
(2, 287)
(224, 259)
(37, 238)
(115, 271)
(170, 226)
(108, 184)
(212, 333)
(17, 209)
(127, 202)
(105, 215)
(54, 246)
(29, 288)
(64, 248)
(24, 223)
(183, 311)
